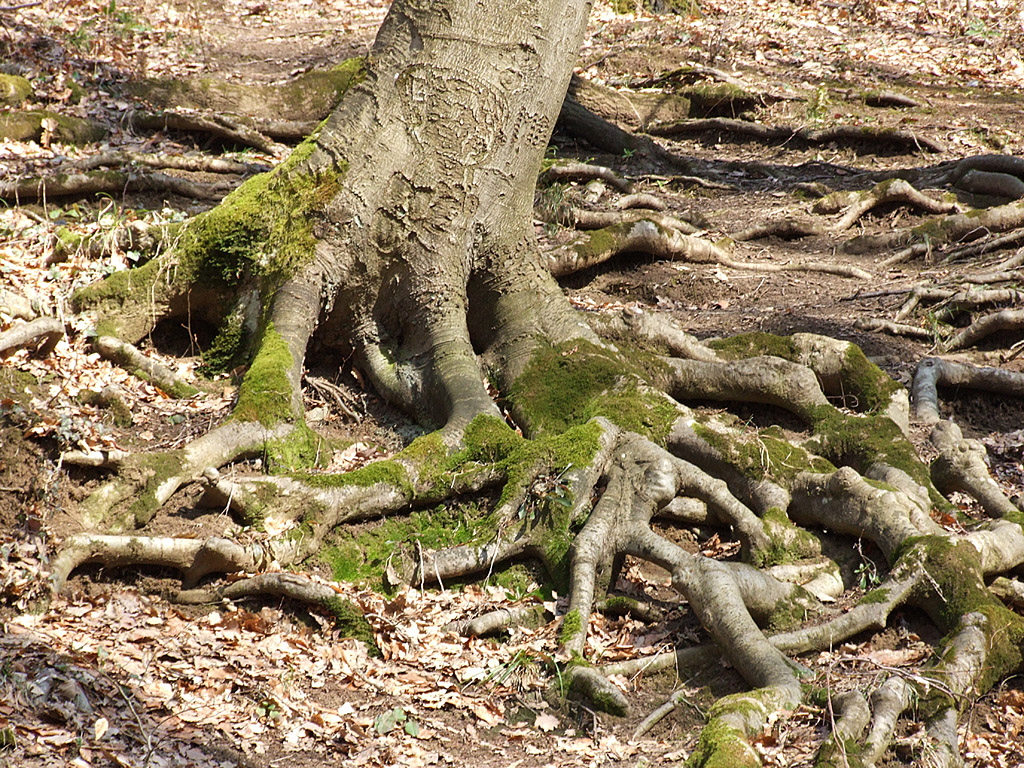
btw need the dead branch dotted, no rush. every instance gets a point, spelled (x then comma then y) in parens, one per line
(131, 359)
(43, 332)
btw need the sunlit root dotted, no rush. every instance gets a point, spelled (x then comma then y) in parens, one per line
(961, 466)
(1003, 320)
(497, 621)
(648, 237)
(18, 305)
(958, 227)
(933, 372)
(42, 334)
(849, 715)
(896, 329)
(584, 172)
(195, 557)
(84, 183)
(885, 193)
(861, 136)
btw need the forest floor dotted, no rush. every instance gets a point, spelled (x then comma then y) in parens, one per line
(112, 673)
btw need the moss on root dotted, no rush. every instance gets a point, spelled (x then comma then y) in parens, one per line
(364, 556)
(265, 395)
(722, 746)
(569, 384)
(762, 454)
(264, 228)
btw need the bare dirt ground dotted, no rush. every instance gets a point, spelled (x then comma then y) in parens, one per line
(112, 673)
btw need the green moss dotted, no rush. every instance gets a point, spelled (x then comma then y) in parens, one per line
(119, 288)
(862, 378)
(362, 556)
(14, 89)
(879, 595)
(302, 447)
(860, 441)
(386, 472)
(762, 454)
(954, 588)
(16, 386)
(571, 626)
(722, 746)
(789, 543)
(558, 387)
(265, 394)
(155, 468)
(265, 227)
(351, 622)
(227, 348)
(746, 345)
(569, 384)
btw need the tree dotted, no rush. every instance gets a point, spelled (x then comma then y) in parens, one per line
(400, 233)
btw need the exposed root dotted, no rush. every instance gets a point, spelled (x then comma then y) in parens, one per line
(848, 715)
(961, 466)
(957, 228)
(647, 236)
(1003, 320)
(934, 371)
(235, 129)
(983, 246)
(896, 329)
(42, 334)
(866, 138)
(787, 228)
(893, 191)
(19, 306)
(109, 182)
(195, 557)
(584, 172)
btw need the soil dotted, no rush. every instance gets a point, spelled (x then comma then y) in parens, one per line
(813, 61)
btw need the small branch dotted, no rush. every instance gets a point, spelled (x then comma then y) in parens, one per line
(131, 359)
(888, 326)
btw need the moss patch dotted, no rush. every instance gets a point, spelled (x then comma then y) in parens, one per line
(567, 385)
(363, 556)
(265, 394)
(351, 622)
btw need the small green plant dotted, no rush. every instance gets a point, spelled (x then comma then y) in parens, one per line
(817, 107)
(388, 721)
